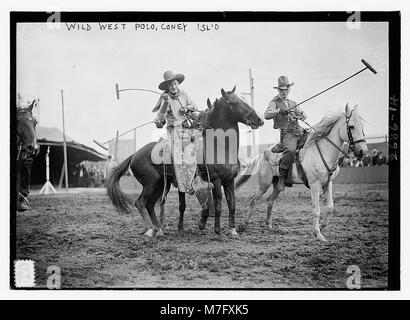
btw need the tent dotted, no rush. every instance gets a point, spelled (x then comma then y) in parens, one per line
(76, 153)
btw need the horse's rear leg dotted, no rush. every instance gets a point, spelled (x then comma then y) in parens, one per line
(151, 211)
(271, 201)
(315, 189)
(329, 206)
(217, 196)
(255, 197)
(140, 203)
(159, 189)
(162, 221)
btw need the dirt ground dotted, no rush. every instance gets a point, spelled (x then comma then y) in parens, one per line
(95, 247)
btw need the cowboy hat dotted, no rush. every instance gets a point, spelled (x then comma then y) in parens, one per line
(283, 83)
(169, 76)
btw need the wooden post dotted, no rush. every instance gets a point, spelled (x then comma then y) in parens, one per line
(251, 84)
(60, 183)
(135, 140)
(116, 147)
(48, 187)
(65, 146)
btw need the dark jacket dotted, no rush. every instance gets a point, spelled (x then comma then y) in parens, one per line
(281, 121)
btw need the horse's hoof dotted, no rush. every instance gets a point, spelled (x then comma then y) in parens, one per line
(23, 207)
(181, 231)
(165, 226)
(233, 233)
(149, 234)
(270, 227)
(221, 237)
(160, 233)
(143, 232)
(241, 228)
(202, 224)
(321, 237)
(217, 229)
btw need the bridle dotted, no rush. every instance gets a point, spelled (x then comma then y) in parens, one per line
(352, 142)
(243, 116)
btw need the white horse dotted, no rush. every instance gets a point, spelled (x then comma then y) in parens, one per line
(319, 158)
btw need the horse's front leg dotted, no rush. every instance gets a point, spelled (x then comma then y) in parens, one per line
(315, 189)
(329, 206)
(271, 201)
(217, 192)
(230, 199)
(182, 207)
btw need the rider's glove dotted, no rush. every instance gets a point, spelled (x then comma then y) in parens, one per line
(283, 111)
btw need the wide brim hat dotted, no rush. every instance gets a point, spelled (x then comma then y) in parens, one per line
(283, 83)
(169, 76)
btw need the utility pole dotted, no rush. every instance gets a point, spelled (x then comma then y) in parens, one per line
(135, 140)
(251, 93)
(116, 147)
(251, 84)
(64, 145)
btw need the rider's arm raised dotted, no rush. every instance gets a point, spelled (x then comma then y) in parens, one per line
(163, 110)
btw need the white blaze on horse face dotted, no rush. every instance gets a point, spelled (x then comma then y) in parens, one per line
(358, 132)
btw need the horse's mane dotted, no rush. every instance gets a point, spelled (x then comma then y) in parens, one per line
(324, 126)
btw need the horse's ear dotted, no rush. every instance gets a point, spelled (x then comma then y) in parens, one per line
(223, 93)
(208, 102)
(234, 88)
(30, 108)
(347, 109)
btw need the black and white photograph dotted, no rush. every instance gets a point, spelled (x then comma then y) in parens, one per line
(205, 150)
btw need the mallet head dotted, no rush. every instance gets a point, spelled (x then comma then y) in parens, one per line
(369, 66)
(117, 91)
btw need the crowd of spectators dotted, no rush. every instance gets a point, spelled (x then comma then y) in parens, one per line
(374, 158)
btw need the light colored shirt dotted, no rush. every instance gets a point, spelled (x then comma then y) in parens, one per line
(171, 109)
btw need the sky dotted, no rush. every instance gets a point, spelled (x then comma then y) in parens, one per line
(86, 64)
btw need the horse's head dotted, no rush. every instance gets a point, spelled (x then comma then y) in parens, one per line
(353, 132)
(240, 110)
(26, 131)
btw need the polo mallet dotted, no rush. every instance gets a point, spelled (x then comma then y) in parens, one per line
(104, 147)
(117, 90)
(368, 66)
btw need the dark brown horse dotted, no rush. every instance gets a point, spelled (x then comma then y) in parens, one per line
(27, 149)
(224, 115)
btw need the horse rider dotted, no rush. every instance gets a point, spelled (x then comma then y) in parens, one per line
(287, 121)
(175, 104)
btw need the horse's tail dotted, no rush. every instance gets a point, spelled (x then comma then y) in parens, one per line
(247, 172)
(118, 198)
